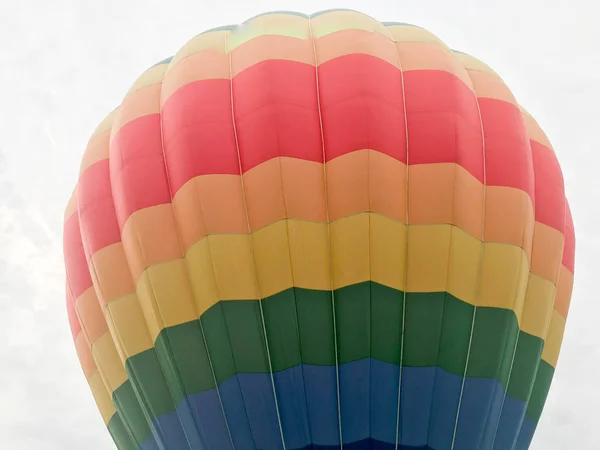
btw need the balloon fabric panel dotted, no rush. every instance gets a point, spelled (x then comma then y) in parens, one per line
(304, 232)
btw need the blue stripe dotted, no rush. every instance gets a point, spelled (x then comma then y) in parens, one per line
(308, 408)
(525, 434)
(513, 414)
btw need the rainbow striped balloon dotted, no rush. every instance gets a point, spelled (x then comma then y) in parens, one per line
(319, 232)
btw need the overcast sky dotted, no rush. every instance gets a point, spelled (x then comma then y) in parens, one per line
(67, 63)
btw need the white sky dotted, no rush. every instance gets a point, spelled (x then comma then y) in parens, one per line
(67, 63)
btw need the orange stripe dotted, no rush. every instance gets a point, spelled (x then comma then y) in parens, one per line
(430, 56)
(203, 65)
(487, 85)
(84, 353)
(445, 193)
(209, 204)
(90, 315)
(142, 102)
(285, 187)
(509, 217)
(352, 42)
(564, 289)
(140, 241)
(547, 252)
(110, 273)
(267, 47)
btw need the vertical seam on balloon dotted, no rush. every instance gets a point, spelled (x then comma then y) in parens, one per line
(99, 367)
(189, 278)
(293, 290)
(406, 216)
(293, 287)
(520, 426)
(524, 302)
(370, 284)
(335, 343)
(118, 337)
(142, 399)
(446, 293)
(212, 369)
(171, 355)
(262, 316)
(114, 401)
(480, 266)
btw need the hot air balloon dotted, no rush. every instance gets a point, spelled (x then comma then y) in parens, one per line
(319, 232)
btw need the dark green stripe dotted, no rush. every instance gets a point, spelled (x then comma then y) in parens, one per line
(129, 408)
(525, 366)
(539, 394)
(299, 324)
(119, 434)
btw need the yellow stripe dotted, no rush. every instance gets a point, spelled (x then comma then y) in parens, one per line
(334, 21)
(127, 325)
(365, 246)
(110, 364)
(105, 125)
(102, 397)
(471, 63)
(488, 85)
(269, 24)
(142, 102)
(150, 77)
(534, 130)
(212, 41)
(165, 296)
(539, 302)
(410, 33)
(554, 339)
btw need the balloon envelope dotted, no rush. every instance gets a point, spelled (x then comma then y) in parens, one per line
(308, 231)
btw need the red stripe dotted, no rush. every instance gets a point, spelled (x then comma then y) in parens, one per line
(97, 216)
(137, 167)
(276, 112)
(78, 274)
(569, 249)
(549, 187)
(198, 132)
(362, 106)
(443, 121)
(507, 150)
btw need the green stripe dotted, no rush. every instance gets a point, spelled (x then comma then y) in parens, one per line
(129, 408)
(299, 324)
(539, 394)
(119, 434)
